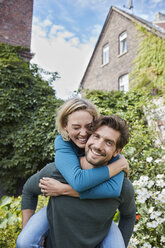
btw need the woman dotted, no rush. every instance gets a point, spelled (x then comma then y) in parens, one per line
(74, 120)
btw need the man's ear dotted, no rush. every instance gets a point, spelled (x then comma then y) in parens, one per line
(117, 152)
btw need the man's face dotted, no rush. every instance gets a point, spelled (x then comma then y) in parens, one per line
(101, 146)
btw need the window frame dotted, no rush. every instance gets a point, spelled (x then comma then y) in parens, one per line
(122, 82)
(105, 54)
(123, 48)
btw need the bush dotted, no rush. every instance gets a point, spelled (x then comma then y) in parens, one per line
(10, 219)
(150, 202)
(27, 119)
(146, 164)
(142, 142)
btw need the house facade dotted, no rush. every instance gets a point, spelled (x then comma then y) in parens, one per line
(115, 50)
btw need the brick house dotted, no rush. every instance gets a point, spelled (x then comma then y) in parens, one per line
(115, 50)
(16, 24)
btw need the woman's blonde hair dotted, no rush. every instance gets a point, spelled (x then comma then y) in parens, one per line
(70, 106)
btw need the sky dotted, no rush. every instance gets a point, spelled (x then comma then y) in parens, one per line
(64, 34)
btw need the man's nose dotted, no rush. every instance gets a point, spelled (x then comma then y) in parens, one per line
(99, 144)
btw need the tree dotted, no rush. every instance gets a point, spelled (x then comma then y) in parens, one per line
(28, 108)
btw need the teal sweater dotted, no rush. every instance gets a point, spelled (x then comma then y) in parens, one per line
(91, 184)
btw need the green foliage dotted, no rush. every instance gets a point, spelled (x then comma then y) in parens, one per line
(10, 219)
(149, 69)
(141, 145)
(146, 164)
(27, 121)
(144, 159)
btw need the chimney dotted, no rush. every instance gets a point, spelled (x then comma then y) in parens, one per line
(160, 20)
(16, 24)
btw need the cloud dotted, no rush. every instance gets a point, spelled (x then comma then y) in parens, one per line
(61, 51)
(47, 23)
(156, 1)
(92, 4)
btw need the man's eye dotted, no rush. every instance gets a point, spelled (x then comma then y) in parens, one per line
(109, 143)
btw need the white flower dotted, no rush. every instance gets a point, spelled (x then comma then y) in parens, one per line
(149, 159)
(141, 199)
(158, 161)
(160, 183)
(135, 183)
(160, 220)
(136, 227)
(163, 158)
(160, 176)
(150, 184)
(144, 178)
(154, 215)
(146, 245)
(133, 241)
(152, 224)
(162, 239)
(150, 210)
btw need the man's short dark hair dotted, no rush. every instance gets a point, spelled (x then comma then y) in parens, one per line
(118, 124)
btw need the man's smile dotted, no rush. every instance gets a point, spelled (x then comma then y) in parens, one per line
(96, 152)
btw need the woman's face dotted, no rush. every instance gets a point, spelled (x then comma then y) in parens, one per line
(78, 127)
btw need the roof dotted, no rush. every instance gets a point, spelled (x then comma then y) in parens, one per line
(149, 25)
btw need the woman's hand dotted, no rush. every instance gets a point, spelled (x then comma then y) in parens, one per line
(52, 187)
(125, 165)
(119, 165)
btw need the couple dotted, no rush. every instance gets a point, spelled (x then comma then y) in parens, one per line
(83, 218)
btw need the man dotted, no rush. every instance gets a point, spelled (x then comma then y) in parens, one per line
(84, 223)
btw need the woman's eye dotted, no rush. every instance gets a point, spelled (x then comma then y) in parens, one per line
(89, 126)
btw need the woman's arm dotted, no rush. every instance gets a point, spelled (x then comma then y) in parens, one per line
(68, 164)
(109, 189)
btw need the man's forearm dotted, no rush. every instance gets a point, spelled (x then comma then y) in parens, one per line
(26, 214)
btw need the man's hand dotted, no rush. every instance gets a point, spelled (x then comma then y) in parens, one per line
(52, 187)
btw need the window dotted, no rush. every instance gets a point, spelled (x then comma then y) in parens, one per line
(124, 83)
(123, 43)
(105, 55)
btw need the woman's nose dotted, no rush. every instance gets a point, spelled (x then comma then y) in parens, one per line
(83, 131)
